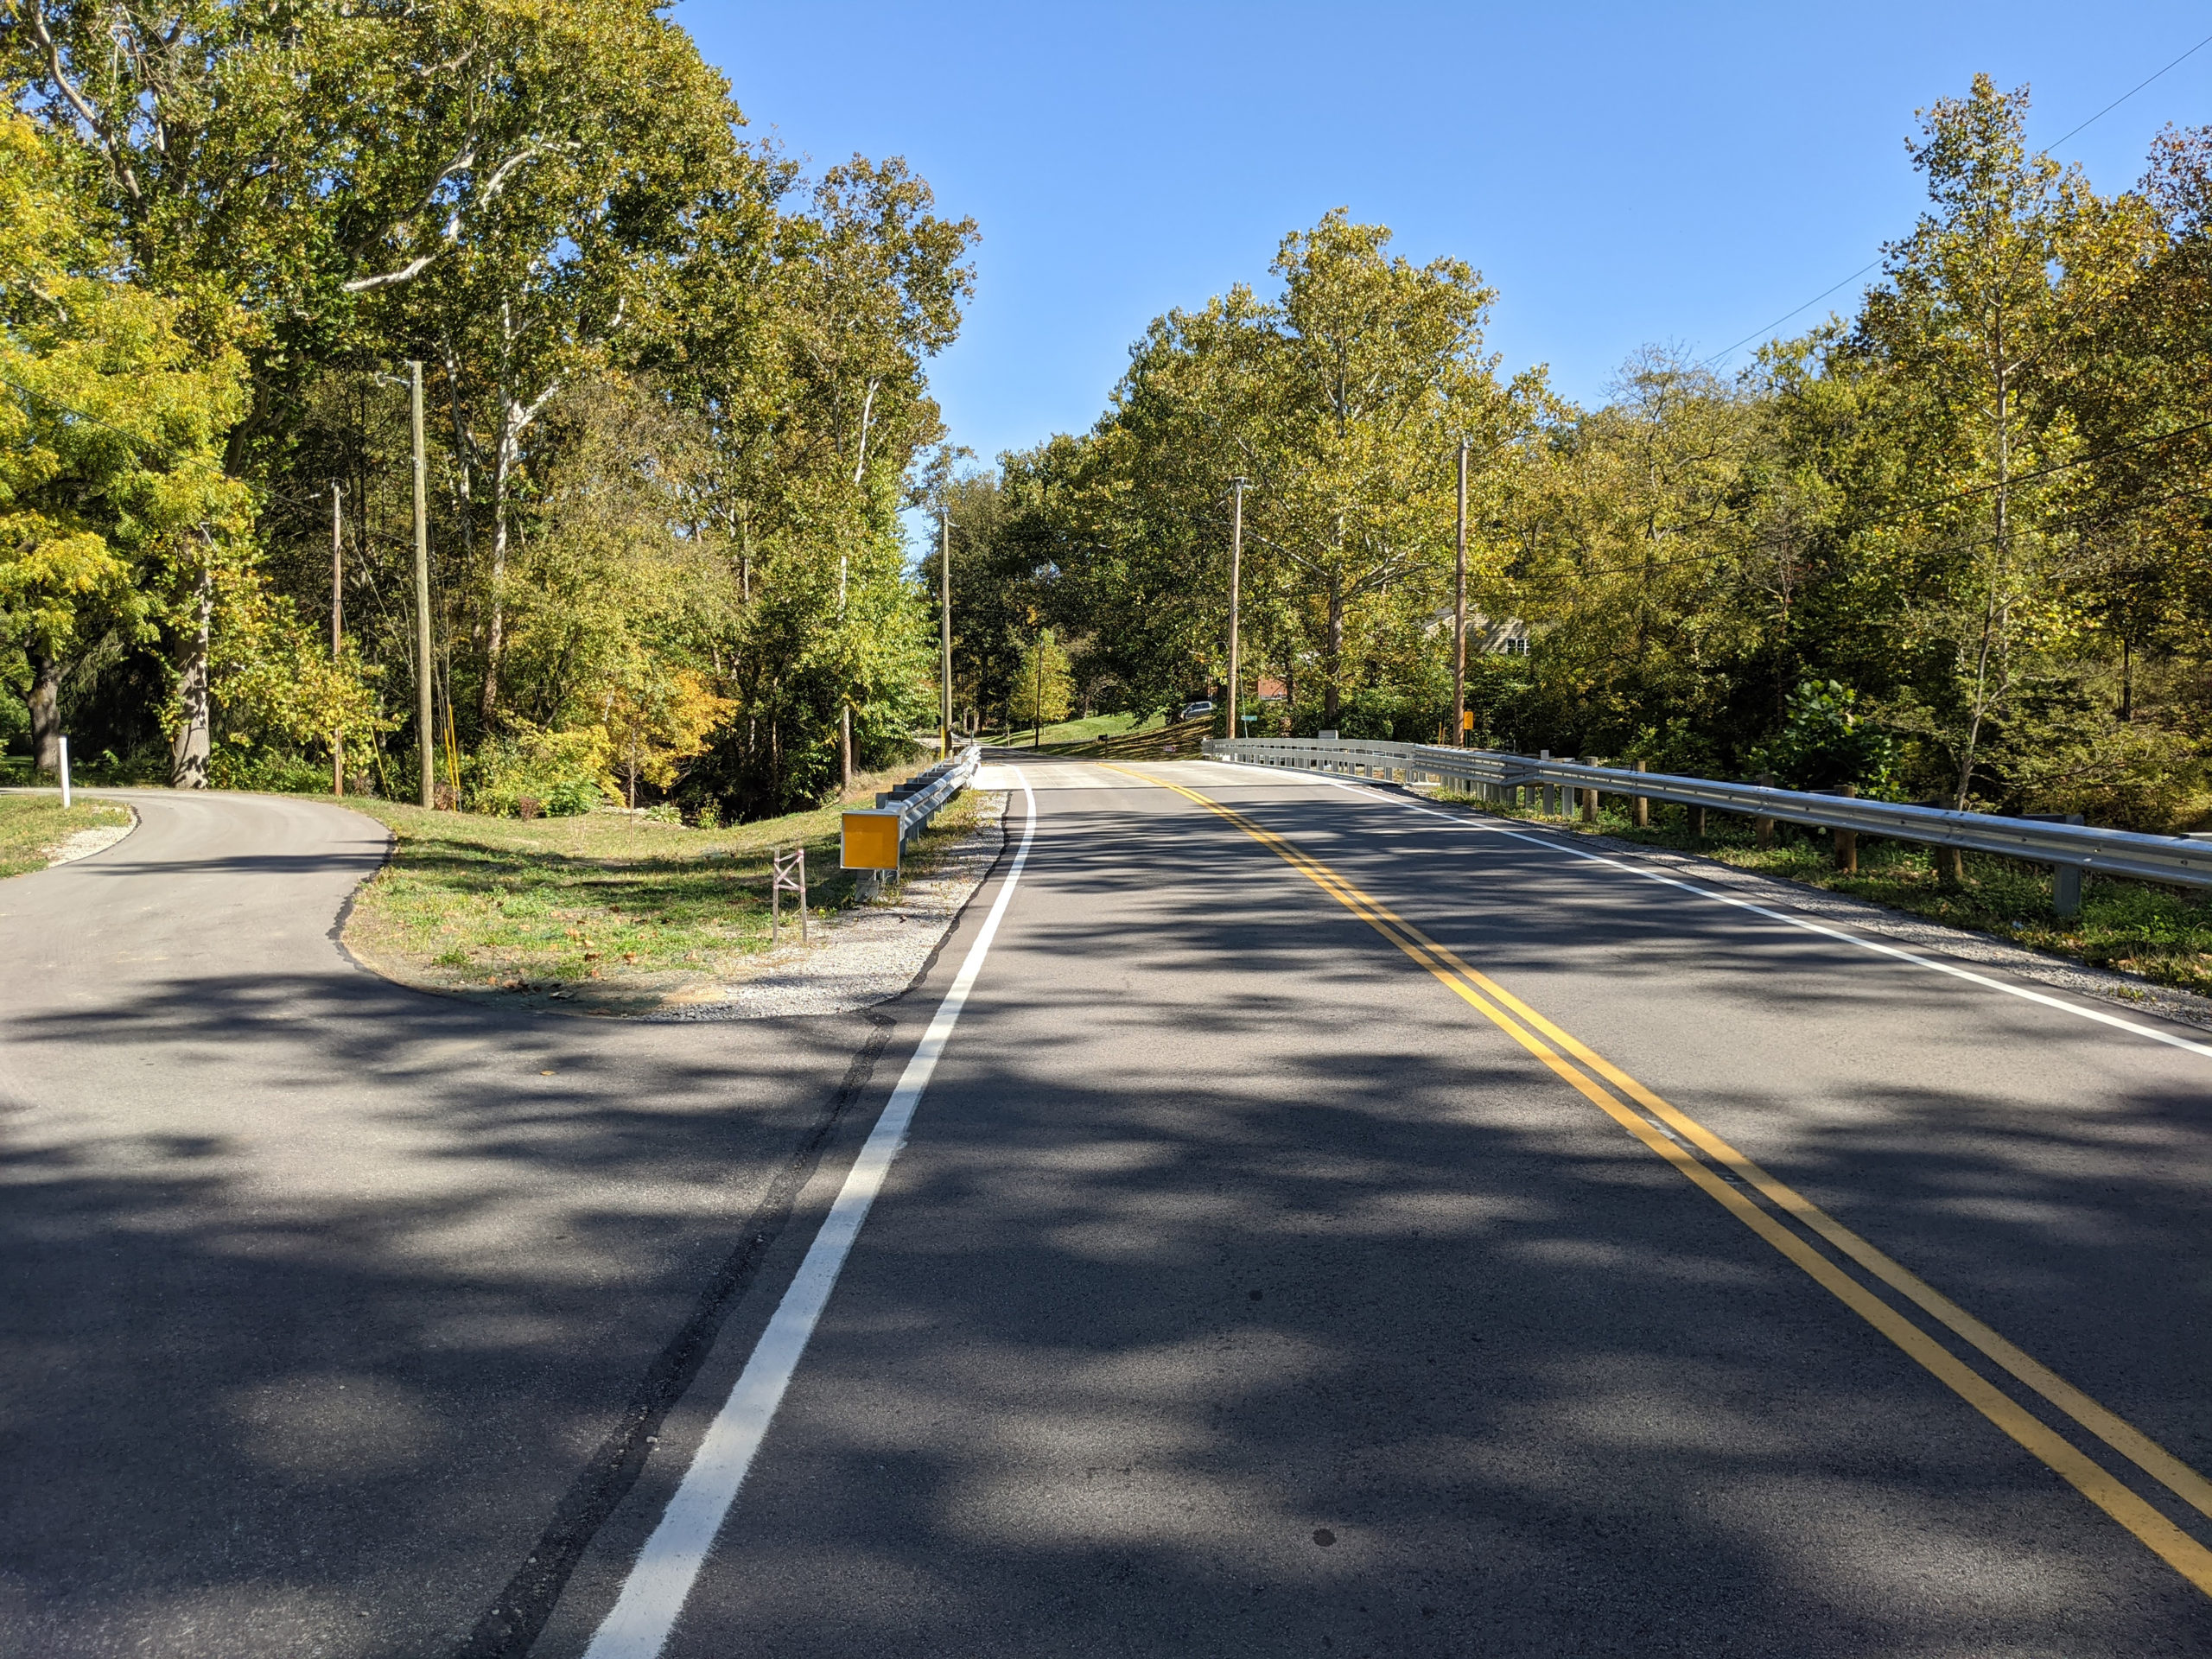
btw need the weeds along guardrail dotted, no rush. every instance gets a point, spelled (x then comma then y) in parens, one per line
(2069, 848)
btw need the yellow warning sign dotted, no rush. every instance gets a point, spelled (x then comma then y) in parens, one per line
(871, 841)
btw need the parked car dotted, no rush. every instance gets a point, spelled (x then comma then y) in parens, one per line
(1192, 710)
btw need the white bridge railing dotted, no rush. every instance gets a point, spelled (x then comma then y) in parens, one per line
(2067, 847)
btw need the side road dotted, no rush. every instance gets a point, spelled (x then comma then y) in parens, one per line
(334, 1316)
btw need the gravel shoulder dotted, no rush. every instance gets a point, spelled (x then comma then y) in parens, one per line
(95, 838)
(37, 833)
(856, 959)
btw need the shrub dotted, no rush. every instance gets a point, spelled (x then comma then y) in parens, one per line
(1826, 741)
(230, 767)
(564, 773)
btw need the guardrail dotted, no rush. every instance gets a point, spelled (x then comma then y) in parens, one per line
(874, 837)
(2068, 847)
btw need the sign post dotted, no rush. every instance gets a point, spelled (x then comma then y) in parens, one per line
(789, 877)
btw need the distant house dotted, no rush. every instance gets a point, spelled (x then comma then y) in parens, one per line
(1509, 638)
(1487, 636)
(1270, 690)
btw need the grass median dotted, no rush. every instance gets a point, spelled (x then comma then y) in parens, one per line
(603, 911)
(2158, 933)
(34, 827)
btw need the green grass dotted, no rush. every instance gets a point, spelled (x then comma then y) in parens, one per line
(602, 909)
(2159, 933)
(33, 826)
(1077, 731)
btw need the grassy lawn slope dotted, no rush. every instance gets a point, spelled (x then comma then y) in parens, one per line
(601, 911)
(32, 827)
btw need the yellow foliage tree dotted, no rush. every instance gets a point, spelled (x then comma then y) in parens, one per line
(654, 719)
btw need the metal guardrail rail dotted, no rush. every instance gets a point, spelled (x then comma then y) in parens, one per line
(875, 838)
(2180, 859)
(922, 796)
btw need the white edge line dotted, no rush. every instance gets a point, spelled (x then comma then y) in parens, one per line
(1550, 842)
(654, 1593)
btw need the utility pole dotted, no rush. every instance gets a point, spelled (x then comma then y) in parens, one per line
(424, 732)
(944, 621)
(337, 629)
(1459, 610)
(844, 713)
(1236, 581)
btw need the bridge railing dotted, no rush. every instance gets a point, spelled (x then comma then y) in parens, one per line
(2184, 861)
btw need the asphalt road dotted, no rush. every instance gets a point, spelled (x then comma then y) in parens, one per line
(1258, 1277)
(325, 1305)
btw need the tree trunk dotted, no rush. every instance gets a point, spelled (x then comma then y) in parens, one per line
(495, 641)
(2001, 552)
(1332, 645)
(845, 746)
(189, 755)
(46, 712)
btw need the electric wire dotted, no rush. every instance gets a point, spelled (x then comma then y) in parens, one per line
(156, 451)
(2070, 133)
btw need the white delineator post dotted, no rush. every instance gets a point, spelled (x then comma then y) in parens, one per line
(65, 774)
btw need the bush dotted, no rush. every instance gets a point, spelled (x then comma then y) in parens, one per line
(15, 719)
(573, 798)
(230, 767)
(1826, 742)
(565, 772)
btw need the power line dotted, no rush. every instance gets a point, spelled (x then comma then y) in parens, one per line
(2132, 91)
(1790, 312)
(157, 451)
(2061, 466)
(1864, 268)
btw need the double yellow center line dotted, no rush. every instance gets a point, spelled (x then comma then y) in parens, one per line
(1664, 1128)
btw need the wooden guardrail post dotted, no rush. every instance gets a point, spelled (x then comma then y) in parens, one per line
(1697, 822)
(1549, 791)
(1763, 828)
(1640, 806)
(1589, 796)
(1846, 841)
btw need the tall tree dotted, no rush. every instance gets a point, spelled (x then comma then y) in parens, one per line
(1969, 328)
(114, 515)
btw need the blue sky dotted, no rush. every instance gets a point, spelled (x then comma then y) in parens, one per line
(1621, 174)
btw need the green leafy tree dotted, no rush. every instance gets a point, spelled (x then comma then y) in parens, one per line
(117, 521)
(1969, 329)
(1042, 692)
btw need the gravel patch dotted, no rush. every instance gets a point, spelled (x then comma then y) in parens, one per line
(83, 843)
(1916, 932)
(862, 956)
